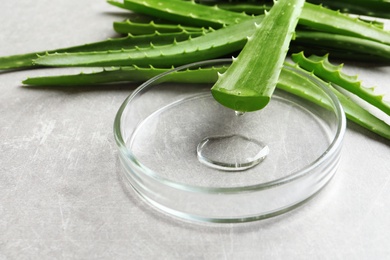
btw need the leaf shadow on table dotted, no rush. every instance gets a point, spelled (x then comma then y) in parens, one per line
(118, 15)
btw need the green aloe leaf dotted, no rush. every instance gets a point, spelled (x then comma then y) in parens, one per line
(251, 79)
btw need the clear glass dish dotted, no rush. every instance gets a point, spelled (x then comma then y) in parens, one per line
(192, 158)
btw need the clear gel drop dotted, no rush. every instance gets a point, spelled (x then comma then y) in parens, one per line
(231, 152)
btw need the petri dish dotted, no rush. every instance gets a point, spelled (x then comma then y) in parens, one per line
(190, 157)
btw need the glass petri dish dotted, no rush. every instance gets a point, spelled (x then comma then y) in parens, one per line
(190, 157)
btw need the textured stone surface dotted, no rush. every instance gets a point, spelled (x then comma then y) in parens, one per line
(61, 195)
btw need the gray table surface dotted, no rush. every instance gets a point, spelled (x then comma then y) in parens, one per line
(61, 195)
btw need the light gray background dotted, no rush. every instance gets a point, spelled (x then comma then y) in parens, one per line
(61, 196)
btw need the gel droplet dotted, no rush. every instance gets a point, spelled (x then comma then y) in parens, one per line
(239, 113)
(231, 152)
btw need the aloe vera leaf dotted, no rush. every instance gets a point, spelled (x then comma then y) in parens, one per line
(250, 81)
(341, 54)
(137, 74)
(186, 12)
(343, 42)
(18, 61)
(211, 45)
(302, 86)
(138, 28)
(326, 20)
(322, 68)
(127, 74)
(129, 42)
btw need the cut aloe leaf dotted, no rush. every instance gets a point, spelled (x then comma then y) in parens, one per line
(251, 79)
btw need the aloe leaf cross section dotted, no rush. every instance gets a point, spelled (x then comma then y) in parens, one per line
(250, 81)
